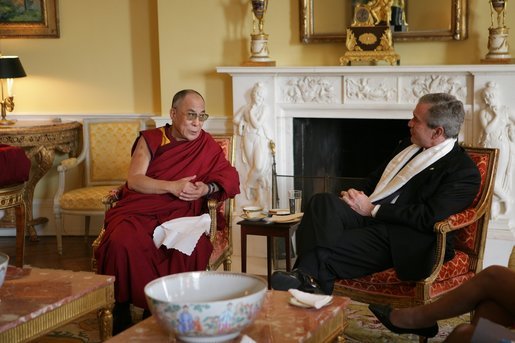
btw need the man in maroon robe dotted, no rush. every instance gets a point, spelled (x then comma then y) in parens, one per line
(173, 170)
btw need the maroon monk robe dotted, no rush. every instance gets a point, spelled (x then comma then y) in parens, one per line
(127, 250)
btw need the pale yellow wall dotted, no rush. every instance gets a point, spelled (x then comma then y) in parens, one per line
(104, 62)
(130, 56)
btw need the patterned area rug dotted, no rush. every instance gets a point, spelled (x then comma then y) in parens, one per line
(362, 327)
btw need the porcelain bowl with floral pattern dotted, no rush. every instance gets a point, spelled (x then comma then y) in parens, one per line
(4, 261)
(206, 306)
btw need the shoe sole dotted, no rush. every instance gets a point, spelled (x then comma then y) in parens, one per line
(281, 282)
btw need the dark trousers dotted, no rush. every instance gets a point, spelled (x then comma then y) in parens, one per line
(333, 241)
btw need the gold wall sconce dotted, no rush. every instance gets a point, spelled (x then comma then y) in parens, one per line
(10, 68)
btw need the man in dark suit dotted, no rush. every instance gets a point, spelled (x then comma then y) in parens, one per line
(389, 221)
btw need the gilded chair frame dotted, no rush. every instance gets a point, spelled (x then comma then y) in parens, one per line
(425, 291)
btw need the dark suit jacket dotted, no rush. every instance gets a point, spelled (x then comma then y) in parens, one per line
(446, 187)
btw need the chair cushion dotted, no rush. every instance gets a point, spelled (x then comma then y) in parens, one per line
(15, 165)
(86, 199)
(387, 282)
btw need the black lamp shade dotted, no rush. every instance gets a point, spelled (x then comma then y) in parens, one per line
(10, 67)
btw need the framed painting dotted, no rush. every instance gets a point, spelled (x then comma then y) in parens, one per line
(29, 19)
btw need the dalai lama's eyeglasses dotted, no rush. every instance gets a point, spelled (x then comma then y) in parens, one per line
(191, 116)
(194, 115)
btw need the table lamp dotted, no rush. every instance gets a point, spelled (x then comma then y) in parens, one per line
(10, 68)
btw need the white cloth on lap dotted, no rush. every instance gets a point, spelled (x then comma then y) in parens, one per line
(182, 233)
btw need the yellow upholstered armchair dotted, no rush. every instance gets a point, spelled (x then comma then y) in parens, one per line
(221, 238)
(470, 227)
(104, 162)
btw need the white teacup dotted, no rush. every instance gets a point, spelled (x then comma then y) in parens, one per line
(252, 211)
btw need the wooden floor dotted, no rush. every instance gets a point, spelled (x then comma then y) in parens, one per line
(43, 253)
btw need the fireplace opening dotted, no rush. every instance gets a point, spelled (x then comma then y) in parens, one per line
(334, 154)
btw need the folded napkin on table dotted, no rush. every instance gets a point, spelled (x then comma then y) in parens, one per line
(182, 233)
(285, 219)
(315, 300)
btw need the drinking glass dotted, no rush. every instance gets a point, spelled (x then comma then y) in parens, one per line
(295, 199)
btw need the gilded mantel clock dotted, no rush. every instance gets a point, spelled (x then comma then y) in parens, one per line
(369, 37)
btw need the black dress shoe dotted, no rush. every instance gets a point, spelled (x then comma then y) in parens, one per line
(382, 312)
(122, 318)
(296, 279)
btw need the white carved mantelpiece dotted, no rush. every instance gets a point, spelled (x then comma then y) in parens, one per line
(378, 92)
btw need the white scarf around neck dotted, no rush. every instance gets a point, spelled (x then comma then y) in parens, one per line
(397, 173)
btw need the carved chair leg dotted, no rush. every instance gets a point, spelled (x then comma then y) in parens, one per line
(105, 323)
(227, 264)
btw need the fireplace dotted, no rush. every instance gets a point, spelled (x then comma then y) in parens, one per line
(344, 147)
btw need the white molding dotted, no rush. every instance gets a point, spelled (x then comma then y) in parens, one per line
(407, 69)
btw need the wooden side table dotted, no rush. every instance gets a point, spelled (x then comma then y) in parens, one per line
(270, 230)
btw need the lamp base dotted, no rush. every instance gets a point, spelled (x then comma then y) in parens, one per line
(5, 122)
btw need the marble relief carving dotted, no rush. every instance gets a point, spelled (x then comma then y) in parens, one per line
(309, 89)
(421, 85)
(251, 126)
(366, 89)
(498, 122)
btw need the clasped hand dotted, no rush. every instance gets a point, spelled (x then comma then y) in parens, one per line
(358, 201)
(187, 190)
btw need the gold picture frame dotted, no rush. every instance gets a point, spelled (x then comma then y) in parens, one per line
(40, 20)
(316, 13)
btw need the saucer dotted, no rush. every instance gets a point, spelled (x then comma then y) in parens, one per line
(279, 211)
(254, 219)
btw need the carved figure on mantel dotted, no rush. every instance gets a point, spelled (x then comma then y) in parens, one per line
(498, 123)
(309, 89)
(381, 10)
(251, 122)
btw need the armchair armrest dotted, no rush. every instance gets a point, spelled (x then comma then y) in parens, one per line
(110, 198)
(452, 223)
(212, 204)
(65, 166)
(457, 221)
